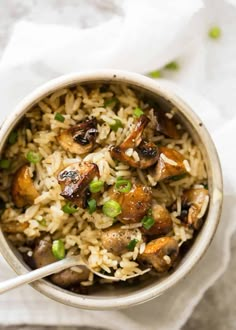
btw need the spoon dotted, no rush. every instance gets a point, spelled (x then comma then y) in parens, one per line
(55, 268)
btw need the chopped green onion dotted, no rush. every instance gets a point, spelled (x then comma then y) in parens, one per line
(110, 102)
(205, 186)
(96, 186)
(155, 74)
(43, 222)
(148, 222)
(132, 244)
(117, 125)
(178, 177)
(172, 66)
(33, 157)
(111, 208)
(69, 209)
(138, 112)
(92, 205)
(58, 249)
(214, 32)
(59, 117)
(5, 164)
(123, 185)
(13, 137)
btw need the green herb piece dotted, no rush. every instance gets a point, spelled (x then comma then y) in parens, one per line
(205, 186)
(122, 185)
(43, 222)
(69, 209)
(117, 125)
(132, 244)
(96, 186)
(148, 222)
(58, 249)
(214, 32)
(111, 208)
(92, 205)
(33, 157)
(138, 112)
(5, 164)
(13, 137)
(172, 66)
(59, 117)
(178, 177)
(108, 102)
(155, 74)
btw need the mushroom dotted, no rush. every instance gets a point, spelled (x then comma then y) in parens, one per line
(194, 203)
(170, 163)
(147, 151)
(116, 239)
(42, 256)
(163, 222)
(161, 253)
(23, 190)
(134, 204)
(74, 181)
(14, 227)
(79, 139)
(166, 125)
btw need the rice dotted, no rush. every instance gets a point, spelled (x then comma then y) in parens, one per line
(81, 231)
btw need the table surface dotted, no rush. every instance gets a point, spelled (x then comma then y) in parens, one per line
(217, 309)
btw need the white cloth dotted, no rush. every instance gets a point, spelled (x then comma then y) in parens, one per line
(147, 35)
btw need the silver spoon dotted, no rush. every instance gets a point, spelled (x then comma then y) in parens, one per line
(55, 268)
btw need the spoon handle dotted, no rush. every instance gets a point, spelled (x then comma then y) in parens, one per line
(38, 274)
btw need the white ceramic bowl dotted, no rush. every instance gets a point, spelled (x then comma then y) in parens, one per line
(127, 296)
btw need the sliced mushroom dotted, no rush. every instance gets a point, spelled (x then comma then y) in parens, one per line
(134, 204)
(23, 189)
(14, 227)
(74, 181)
(161, 253)
(195, 201)
(43, 256)
(147, 151)
(166, 125)
(116, 239)
(170, 163)
(163, 222)
(79, 139)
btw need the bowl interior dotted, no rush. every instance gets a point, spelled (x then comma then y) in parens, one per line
(104, 297)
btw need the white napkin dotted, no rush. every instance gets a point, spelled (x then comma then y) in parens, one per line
(147, 35)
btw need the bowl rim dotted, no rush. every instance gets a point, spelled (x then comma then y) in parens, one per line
(207, 232)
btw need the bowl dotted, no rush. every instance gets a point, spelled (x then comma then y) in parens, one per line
(127, 296)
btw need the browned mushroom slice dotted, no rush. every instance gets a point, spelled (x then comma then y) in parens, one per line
(196, 201)
(14, 227)
(74, 181)
(135, 138)
(161, 253)
(79, 139)
(165, 125)
(163, 222)
(23, 190)
(170, 163)
(134, 204)
(116, 239)
(69, 277)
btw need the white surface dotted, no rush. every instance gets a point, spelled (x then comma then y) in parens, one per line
(168, 31)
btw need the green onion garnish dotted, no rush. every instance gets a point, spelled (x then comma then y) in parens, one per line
(172, 66)
(12, 137)
(123, 185)
(96, 186)
(33, 157)
(148, 222)
(205, 186)
(111, 208)
(155, 74)
(110, 102)
(214, 32)
(58, 249)
(117, 125)
(69, 209)
(178, 177)
(59, 117)
(42, 222)
(138, 112)
(132, 244)
(92, 205)
(5, 164)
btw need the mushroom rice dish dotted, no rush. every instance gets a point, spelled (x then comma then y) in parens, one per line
(102, 172)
